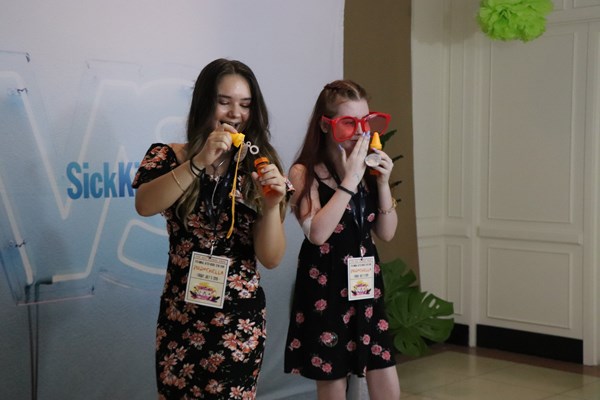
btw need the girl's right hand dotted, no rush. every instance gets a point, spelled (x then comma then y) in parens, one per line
(354, 164)
(218, 142)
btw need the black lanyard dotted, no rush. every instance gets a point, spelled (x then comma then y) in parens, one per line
(220, 193)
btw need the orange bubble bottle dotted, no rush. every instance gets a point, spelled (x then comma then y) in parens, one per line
(259, 164)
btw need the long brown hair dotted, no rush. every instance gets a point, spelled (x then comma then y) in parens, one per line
(199, 126)
(314, 148)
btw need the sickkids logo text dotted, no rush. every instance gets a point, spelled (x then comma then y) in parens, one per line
(102, 180)
(59, 176)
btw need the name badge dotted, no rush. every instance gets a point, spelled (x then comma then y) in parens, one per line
(207, 280)
(361, 278)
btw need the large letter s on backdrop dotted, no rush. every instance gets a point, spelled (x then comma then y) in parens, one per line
(66, 202)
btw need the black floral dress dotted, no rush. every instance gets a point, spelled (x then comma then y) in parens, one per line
(204, 352)
(330, 337)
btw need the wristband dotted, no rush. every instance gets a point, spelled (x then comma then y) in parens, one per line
(344, 189)
(195, 170)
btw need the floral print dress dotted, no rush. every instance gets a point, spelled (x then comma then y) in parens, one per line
(330, 337)
(204, 352)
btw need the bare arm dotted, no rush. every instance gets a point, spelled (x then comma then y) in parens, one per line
(159, 194)
(387, 219)
(320, 221)
(269, 234)
(269, 238)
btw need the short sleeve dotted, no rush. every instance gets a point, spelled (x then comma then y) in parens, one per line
(159, 159)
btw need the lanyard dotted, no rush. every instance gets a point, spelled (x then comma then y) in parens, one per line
(212, 208)
(220, 194)
(359, 211)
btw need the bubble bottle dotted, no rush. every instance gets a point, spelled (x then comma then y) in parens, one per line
(259, 164)
(373, 159)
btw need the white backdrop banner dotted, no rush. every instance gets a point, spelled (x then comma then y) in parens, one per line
(84, 90)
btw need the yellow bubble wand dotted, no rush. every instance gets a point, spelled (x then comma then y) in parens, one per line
(237, 140)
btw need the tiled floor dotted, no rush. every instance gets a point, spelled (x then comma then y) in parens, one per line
(455, 372)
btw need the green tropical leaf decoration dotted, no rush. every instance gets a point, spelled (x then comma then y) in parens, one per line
(387, 136)
(397, 278)
(408, 342)
(413, 315)
(394, 159)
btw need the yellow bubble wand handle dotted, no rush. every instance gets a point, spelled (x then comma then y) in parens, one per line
(237, 138)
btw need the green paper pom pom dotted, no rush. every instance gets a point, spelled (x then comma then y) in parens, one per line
(514, 19)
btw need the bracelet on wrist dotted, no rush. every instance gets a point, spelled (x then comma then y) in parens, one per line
(198, 172)
(389, 210)
(345, 189)
(177, 181)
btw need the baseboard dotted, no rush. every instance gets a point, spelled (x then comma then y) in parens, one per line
(534, 344)
(459, 335)
(521, 342)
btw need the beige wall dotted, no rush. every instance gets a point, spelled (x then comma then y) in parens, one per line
(377, 55)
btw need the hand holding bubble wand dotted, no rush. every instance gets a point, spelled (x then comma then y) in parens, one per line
(373, 159)
(259, 163)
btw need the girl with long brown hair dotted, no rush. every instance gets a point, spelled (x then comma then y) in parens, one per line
(338, 324)
(211, 326)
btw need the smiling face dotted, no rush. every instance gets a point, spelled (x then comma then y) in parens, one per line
(233, 102)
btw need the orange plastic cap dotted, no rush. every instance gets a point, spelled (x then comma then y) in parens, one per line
(261, 160)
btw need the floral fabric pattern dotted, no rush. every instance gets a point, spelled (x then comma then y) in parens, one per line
(330, 337)
(204, 352)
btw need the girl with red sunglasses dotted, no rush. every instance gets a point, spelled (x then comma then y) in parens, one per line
(338, 324)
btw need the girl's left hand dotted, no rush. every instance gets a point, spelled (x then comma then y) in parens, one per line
(273, 178)
(384, 168)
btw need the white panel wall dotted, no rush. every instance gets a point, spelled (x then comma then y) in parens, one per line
(532, 134)
(506, 167)
(442, 155)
